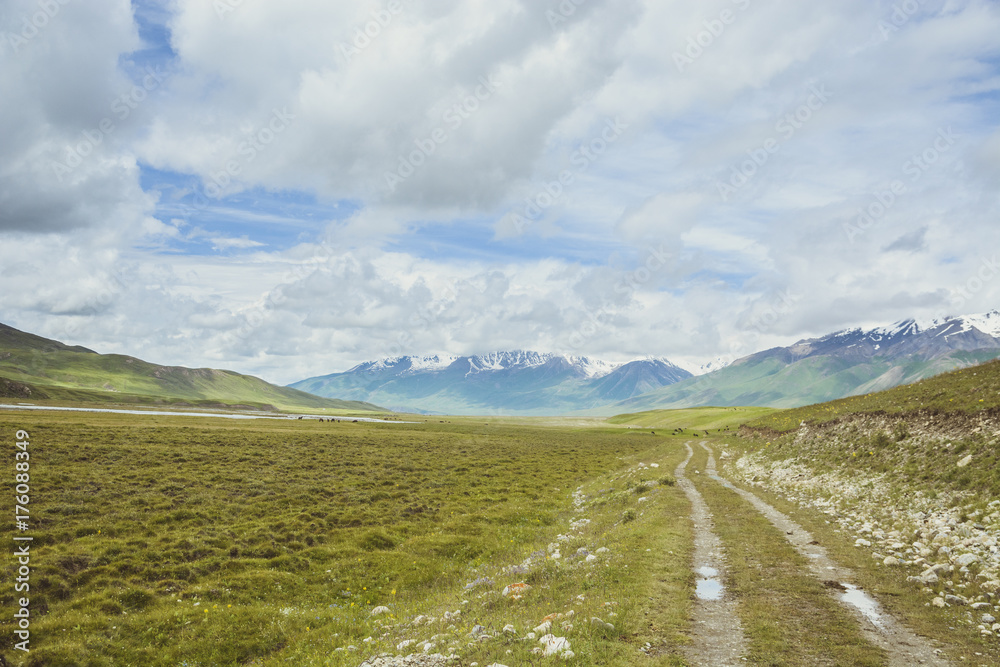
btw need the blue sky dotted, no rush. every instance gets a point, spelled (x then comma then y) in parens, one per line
(289, 196)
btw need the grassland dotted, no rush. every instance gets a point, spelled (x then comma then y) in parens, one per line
(169, 541)
(692, 419)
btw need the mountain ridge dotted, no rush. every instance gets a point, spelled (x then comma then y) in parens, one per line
(506, 381)
(843, 363)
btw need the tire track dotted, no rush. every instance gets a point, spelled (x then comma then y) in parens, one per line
(903, 647)
(717, 633)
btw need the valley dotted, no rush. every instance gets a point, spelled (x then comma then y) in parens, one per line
(859, 531)
(498, 540)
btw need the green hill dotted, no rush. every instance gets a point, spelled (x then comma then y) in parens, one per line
(969, 390)
(32, 367)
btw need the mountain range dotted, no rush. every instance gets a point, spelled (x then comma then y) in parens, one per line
(512, 382)
(844, 363)
(37, 368)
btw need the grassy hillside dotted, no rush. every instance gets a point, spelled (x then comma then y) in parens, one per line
(36, 368)
(970, 390)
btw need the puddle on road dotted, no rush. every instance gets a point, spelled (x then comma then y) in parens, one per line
(861, 601)
(708, 587)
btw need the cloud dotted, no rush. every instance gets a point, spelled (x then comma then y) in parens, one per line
(912, 242)
(297, 188)
(241, 243)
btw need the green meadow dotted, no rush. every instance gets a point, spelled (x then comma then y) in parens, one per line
(183, 541)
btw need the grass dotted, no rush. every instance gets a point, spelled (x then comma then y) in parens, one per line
(889, 586)
(701, 419)
(971, 390)
(170, 540)
(788, 617)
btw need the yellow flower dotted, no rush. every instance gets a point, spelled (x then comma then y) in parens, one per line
(393, 591)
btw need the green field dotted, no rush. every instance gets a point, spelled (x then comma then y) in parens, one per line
(165, 540)
(169, 540)
(692, 419)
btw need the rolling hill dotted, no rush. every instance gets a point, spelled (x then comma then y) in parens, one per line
(36, 368)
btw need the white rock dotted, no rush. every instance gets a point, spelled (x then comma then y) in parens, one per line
(543, 628)
(554, 645)
(966, 559)
(964, 462)
(890, 560)
(378, 611)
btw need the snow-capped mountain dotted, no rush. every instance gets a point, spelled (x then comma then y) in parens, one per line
(843, 363)
(506, 382)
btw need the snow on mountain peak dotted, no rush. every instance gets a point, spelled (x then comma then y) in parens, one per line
(988, 323)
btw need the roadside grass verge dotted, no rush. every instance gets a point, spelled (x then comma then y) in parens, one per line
(788, 617)
(889, 586)
(164, 541)
(913, 471)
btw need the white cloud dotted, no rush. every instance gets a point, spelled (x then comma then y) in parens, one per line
(638, 253)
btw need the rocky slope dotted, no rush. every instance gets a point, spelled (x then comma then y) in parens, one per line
(915, 490)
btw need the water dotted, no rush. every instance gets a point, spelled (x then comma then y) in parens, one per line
(222, 415)
(861, 601)
(708, 586)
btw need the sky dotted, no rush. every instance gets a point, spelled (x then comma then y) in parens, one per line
(290, 189)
